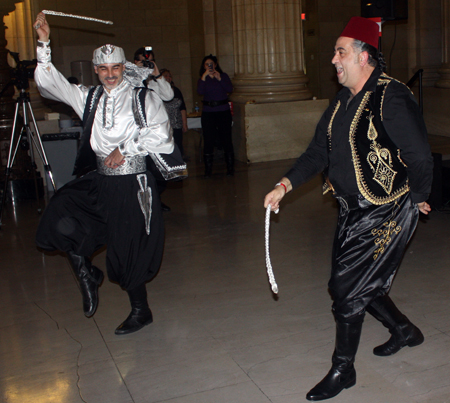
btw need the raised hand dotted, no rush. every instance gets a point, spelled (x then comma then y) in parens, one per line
(42, 28)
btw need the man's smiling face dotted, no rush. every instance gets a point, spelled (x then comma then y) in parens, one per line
(347, 63)
(110, 74)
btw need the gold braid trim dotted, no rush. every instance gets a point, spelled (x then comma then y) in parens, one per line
(362, 184)
(327, 186)
(330, 125)
(386, 81)
(400, 159)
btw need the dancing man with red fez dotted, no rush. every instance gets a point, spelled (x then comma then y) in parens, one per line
(371, 144)
(114, 201)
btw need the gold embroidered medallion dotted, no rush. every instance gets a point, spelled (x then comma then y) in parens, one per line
(380, 160)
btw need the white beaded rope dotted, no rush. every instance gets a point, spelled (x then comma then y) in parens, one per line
(270, 274)
(80, 17)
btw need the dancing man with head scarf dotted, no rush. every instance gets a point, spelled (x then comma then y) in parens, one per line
(114, 201)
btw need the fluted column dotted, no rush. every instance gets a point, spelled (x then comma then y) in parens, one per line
(268, 50)
(444, 71)
(7, 104)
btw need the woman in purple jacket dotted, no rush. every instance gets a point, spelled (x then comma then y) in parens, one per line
(215, 85)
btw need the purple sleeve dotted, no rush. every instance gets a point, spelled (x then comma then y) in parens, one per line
(201, 86)
(225, 82)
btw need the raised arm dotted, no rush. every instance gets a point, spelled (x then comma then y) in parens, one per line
(50, 82)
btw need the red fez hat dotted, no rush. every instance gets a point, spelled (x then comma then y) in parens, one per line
(362, 29)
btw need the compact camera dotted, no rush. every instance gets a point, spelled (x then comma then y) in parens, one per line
(210, 66)
(147, 53)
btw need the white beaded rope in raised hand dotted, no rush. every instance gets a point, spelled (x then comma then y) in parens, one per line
(272, 281)
(80, 17)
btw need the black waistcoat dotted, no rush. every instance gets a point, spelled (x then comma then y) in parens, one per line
(380, 173)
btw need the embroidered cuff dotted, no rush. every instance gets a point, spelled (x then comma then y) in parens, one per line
(122, 150)
(43, 52)
(132, 148)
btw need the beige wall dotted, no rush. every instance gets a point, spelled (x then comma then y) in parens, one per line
(183, 31)
(167, 26)
(19, 33)
(407, 45)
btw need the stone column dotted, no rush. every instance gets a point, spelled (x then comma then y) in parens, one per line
(268, 51)
(7, 104)
(444, 71)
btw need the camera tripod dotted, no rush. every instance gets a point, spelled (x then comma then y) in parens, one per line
(25, 135)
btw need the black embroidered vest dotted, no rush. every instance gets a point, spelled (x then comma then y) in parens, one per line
(380, 173)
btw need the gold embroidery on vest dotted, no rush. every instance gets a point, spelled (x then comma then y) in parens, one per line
(400, 159)
(330, 125)
(362, 184)
(380, 160)
(327, 186)
(384, 236)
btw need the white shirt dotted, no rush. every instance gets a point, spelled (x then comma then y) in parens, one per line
(114, 124)
(162, 87)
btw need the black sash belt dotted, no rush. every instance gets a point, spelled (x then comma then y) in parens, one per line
(352, 202)
(213, 104)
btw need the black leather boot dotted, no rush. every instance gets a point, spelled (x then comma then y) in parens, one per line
(89, 278)
(403, 332)
(208, 158)
(140, 315)
(342, 374)
(229, 160)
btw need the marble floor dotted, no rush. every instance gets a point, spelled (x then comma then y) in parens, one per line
(219, 335)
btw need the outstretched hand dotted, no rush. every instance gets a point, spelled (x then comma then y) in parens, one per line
(424, 207)
(42, 28)
(274, 197)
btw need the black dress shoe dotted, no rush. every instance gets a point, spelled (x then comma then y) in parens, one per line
(89, 289)
(164, 207)
(333, 384)
(402, 335)
(140, 315)
(89, 278)
(136, 320)
(342, 374)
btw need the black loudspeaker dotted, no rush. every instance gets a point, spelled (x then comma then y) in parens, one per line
(388, 10)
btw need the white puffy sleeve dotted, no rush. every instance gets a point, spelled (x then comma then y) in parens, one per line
(162, 87)
(53, 85)
(156, 135)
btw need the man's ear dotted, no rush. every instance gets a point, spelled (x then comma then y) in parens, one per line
(95, 69)
(363, 58)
